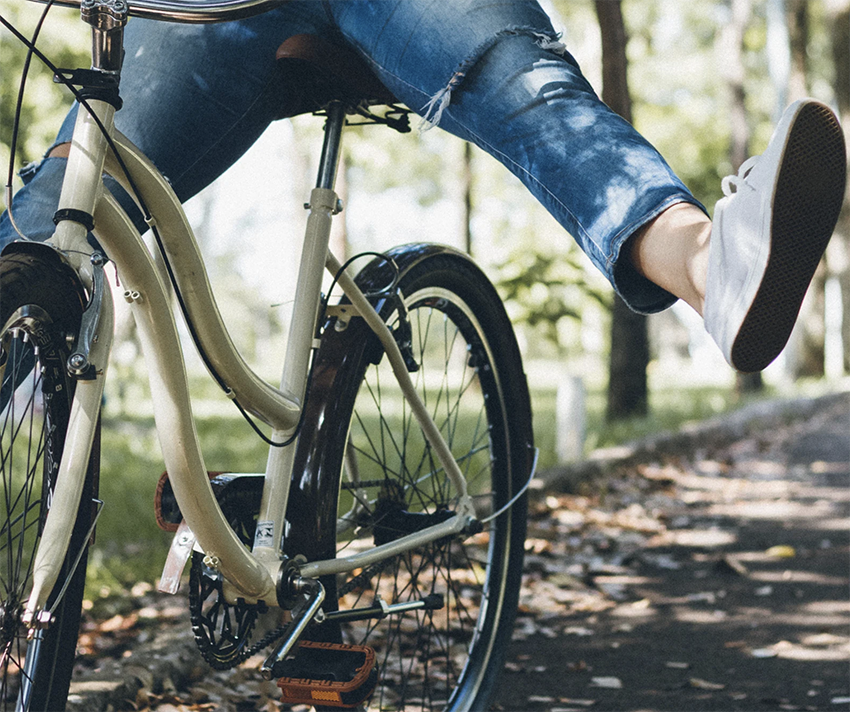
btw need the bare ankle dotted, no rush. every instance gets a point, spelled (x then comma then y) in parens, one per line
(672, 252)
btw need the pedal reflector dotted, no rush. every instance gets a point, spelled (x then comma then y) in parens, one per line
(327, 674)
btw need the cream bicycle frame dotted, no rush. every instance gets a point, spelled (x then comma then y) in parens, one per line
(252, 575)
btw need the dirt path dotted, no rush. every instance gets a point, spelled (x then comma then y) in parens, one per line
(715, 578)
(703, 571)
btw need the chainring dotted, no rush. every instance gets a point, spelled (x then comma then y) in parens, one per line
(222, 630)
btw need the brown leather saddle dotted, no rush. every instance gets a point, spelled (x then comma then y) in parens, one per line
(317, 71)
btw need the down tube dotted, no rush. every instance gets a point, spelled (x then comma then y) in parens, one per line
(172, 405)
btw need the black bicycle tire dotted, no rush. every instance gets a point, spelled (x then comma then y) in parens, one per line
(37, 282)
(340, 366)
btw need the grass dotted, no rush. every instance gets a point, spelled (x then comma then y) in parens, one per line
(669, 409)
(131, 549)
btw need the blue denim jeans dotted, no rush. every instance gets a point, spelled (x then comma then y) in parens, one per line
(492, 72)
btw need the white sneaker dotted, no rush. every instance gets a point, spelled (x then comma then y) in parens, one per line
(769, 234)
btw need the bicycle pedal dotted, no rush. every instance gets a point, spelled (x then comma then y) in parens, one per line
(327, 674)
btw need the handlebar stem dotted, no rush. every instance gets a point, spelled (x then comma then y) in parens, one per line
(107, 19)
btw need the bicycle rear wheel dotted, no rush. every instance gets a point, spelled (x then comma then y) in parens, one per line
(40, 313)
(471, 379)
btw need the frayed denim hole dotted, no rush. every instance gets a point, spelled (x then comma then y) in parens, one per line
(29, 171)
(433, 110)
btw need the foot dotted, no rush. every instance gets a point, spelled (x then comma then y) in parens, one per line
(769, 234)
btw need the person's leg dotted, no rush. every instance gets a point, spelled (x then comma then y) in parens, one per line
(672, 252)
(493, 73)
(748, 271)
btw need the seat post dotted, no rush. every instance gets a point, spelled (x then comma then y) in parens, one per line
(331, 146)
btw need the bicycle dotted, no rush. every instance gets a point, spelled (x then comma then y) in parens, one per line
(390, 522)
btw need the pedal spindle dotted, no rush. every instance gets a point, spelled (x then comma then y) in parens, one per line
(381, 609)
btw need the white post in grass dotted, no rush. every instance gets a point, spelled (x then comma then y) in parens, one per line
(833, 362)
(570, 419)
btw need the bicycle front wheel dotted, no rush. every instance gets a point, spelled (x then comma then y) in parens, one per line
(470, 377)
(40, 313)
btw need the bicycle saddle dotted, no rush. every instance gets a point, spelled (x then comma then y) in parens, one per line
(317, 72)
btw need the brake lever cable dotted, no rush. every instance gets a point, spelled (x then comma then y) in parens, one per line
(31, 49)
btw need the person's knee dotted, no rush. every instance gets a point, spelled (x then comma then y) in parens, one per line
(60, 150)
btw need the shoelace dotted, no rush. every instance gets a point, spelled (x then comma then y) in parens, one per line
(731, 184)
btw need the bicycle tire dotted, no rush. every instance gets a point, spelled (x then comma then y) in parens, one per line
(40, 311)
(448, 658)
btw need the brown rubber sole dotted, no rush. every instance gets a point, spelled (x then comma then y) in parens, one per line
(809, 194)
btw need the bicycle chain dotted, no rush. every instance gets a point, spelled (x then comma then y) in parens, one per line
(362, 579)
(196, 618)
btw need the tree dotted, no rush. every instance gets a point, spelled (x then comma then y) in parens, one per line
(731, 48)
(65, 41)
(627, 383)
(838, 16)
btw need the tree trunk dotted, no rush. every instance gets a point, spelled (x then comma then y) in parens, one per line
(627, 384)
(731, 40)
(797, 16)
(838, 255)
(466, 189)
(628, 394)
(810, 361)
(808, 347)
(731, 49)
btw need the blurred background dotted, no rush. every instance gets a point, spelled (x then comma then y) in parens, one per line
(704, 81)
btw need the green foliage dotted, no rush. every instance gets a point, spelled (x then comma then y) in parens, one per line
(670, 408)
(65, 41)
(425, 166)
(131, 465)
(543, 288)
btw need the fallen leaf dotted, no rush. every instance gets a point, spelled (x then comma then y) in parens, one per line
(580, 703)
(730, 565)
(705, 684)
(118, 622)
(578, 630)
(764, 653)
(782, 552)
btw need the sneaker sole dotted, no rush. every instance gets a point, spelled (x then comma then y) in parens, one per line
(807, 201)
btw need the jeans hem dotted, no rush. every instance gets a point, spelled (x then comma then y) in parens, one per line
(640, 294)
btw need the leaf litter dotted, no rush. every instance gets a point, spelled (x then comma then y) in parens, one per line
(583, 555)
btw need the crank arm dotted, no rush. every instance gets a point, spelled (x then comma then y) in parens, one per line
(301, 619)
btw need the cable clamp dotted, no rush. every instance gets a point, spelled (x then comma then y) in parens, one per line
(78, 216)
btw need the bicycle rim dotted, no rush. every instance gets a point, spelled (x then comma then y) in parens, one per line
(392, 484)
(35, 403)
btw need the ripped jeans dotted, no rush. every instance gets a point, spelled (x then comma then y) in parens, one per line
(492, 72)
